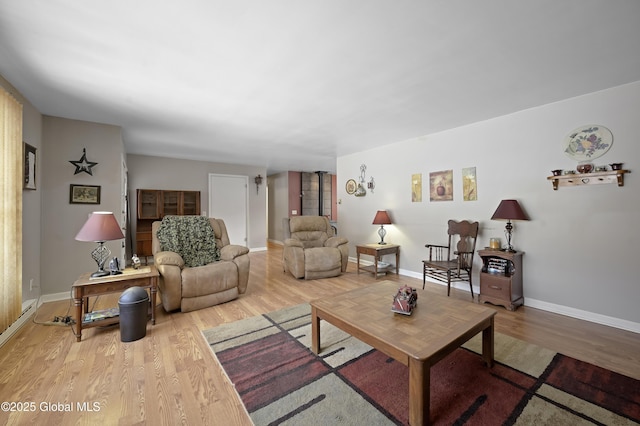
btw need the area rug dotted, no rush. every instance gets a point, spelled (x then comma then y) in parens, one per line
(280, 381)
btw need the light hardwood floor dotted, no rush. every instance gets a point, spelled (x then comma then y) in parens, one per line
(171, 377)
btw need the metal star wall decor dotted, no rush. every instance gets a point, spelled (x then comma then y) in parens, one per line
(83, 165)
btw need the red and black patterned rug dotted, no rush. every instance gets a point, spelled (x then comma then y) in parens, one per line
(280, 381)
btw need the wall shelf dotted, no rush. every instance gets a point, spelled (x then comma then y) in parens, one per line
(594, 178)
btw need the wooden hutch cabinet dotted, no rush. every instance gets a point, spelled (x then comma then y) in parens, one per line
(501, 278)
(153, 205)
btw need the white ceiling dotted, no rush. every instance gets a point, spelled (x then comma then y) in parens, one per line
(293, 84)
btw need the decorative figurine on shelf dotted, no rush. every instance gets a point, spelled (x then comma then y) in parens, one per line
(114, 266)
(135, 261)
(405, 300)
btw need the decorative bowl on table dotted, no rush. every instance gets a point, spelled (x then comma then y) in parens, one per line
(584, 168)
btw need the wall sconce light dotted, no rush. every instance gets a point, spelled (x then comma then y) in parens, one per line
(371, 184)
(258, 181)
(360, 191)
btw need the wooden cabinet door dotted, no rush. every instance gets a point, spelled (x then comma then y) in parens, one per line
(149, 204)
(191, 202)
(171, 203)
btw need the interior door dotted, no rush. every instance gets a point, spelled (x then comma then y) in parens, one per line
(228, 200)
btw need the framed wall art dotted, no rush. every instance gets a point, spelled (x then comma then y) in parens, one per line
(84, 194)
(351, 186)
(416, 188)
(469, 184)
(441, 185)
(30, 166)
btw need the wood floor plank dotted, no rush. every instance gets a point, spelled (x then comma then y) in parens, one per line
(172, 377)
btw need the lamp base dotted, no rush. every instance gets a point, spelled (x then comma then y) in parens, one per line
(382, 232)
(98, 274)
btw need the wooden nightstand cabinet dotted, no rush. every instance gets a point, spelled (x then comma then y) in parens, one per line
(501, 278)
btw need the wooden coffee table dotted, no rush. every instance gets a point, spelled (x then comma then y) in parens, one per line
(85, 287)
(436, 328)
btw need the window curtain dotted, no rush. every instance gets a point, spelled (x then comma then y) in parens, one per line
(11, 175)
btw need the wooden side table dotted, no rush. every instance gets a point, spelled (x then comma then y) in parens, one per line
(377, 251)
(85, 287)
(501, 278)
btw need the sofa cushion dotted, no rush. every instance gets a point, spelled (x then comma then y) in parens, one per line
(192, 237)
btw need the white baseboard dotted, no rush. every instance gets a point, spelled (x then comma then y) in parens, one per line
(539, 304)
(54, 297)
(583, 315)
(258, 249)
(28, 309)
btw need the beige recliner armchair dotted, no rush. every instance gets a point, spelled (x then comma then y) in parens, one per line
(311, 249)
(191, 288)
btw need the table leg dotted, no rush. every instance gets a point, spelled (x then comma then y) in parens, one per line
(397, 261)
(419, 392)
(154, 290)
(77, 302)
(358, 260)
(488, 343)
(375, 266)
(315, 331)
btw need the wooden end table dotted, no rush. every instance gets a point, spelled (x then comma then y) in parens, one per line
(377, 251)
(85, 287)
(436, 328)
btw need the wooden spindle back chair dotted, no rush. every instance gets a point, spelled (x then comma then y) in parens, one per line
(453, 262)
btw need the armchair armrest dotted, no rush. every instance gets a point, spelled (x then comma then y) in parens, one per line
(232, 251)
(292, 242)
(168, 258)
(335, 242)
(438, 252)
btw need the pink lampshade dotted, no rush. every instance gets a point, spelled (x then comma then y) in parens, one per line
(509, 210)
(101, 226)
(382, 218)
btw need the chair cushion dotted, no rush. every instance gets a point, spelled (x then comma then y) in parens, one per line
(322, 259)
(191, 237)
(209, 279)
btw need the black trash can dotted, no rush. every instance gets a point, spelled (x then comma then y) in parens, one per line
(134, 310)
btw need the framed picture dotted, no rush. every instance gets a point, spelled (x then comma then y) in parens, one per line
(469, 184)
(84, 194)
(29, 167)
(441, 185)
(416, 188)
(351, 186)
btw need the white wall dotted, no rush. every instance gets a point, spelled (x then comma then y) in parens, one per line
(148, 172)
(581, 242)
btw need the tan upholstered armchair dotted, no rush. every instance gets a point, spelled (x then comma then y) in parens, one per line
(191, 288)
(311, 249)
